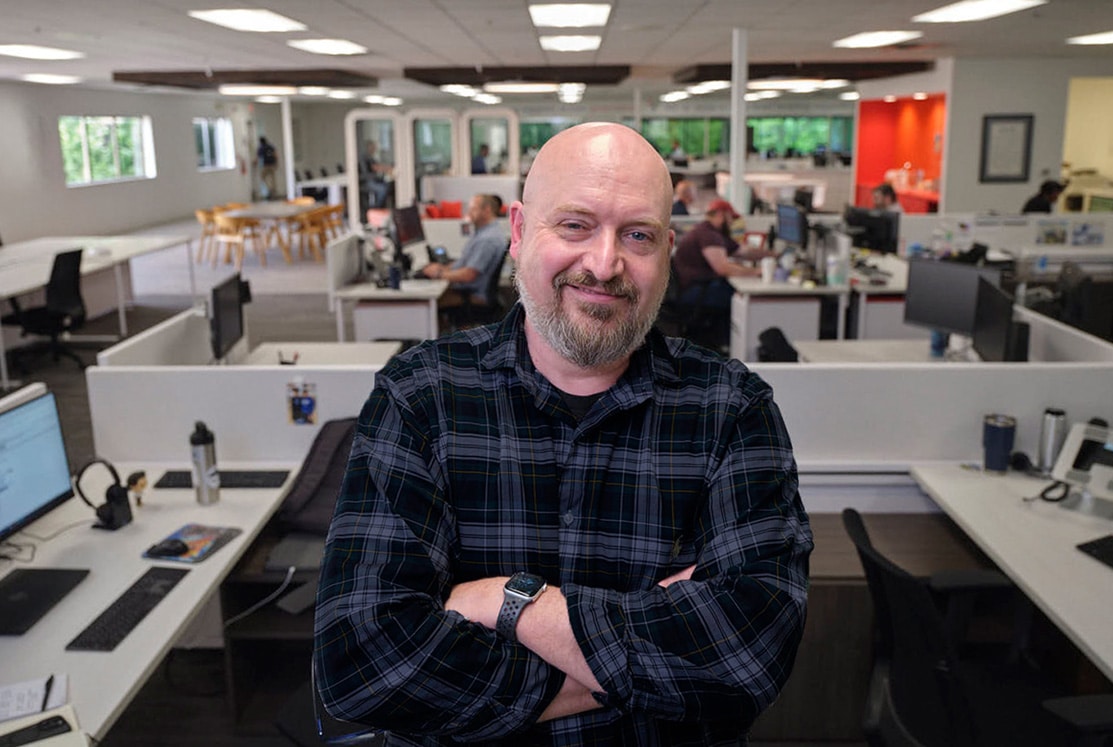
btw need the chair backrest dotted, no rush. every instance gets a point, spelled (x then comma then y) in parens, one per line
(492, 290)
(924, 691)
(63, 291)
(773, 346)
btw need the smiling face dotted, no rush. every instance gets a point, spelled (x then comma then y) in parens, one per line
(591, 242)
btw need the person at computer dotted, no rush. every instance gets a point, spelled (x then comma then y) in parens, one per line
(374, 179)
(677, 154)
(885, 198)
(683, 196)
(470, 275)
(1044, 200)
(479, 160)
(640, 491)
(707, 254)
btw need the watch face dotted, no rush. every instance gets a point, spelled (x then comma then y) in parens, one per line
(525, 584)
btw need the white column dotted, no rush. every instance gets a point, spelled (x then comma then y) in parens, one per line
(288, 146)
(739, 196)
(638, 109)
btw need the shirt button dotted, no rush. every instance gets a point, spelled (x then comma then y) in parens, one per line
(568, 518)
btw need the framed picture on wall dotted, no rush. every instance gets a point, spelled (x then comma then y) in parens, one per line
(1006, 148)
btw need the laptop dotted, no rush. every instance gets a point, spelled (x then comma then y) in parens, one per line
(299, 550)
(438, 255)
(26, 594)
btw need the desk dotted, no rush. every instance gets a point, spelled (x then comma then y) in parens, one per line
(793, 308)
(865, 351)
(102, 684)
(410, 312)
(25, 267)
(1034, 543)
(334, 184)
(323, 353)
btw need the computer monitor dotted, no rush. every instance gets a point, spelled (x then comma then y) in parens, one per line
(944, 295)
(407, 226)
(226, 315)
(996, 336)
(877, 230)
(803, 198)
(34, 468)
(792, 225)
(1086, 459)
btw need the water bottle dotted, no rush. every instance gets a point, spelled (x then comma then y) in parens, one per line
(1053, 431)
(206, 479)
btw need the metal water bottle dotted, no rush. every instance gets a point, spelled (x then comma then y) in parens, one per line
(206, 478)
(1053, 431)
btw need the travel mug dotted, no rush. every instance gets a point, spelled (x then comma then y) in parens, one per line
(394, 278)
(1053, 431)
(998, 434)
(206, 478)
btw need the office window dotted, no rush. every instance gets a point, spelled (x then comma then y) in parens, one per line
(213, 139)
(800, 136)
(698, 137)
(106, 149)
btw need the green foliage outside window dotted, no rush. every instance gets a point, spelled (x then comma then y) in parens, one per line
(103, 149)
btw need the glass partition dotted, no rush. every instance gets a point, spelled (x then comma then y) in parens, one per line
(433, 151)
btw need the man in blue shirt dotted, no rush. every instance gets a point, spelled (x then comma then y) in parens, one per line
(480, 258)
(564, 528)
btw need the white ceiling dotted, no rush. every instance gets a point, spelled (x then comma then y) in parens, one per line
(655, 37)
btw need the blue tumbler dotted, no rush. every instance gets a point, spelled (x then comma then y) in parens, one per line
(998, 434)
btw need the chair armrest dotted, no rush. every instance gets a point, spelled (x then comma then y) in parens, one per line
(1087, 714)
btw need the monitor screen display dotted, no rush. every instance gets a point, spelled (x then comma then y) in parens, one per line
(944, 295)
(407, 226)
(792, 225)
(993, 323)
(877, 230)
(226, 316)
(34, 469)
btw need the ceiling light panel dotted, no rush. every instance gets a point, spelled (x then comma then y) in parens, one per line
(51, 79)
(248, 89)
(35, 52)
(244, 19)
(328, 46)
(1106, 37)
(572, 43)
(870, 39)
(519, 87)
(975, 10)
(570, 15)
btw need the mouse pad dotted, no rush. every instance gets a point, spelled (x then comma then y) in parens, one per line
(202, 540)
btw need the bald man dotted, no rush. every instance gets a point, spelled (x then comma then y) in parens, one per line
(565, 528)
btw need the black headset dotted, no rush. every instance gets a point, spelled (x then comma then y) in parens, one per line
(115, 512)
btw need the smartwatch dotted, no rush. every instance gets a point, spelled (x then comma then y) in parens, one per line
(520, 590)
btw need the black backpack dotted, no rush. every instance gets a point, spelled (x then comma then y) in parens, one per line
(309, 505)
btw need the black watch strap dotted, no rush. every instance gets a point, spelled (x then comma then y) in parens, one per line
(511, 610)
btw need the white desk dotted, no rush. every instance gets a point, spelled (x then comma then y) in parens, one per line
(410, 312)
(334, 184)
(792, 307)
(25, 267)
(103, 683)
(865, 351)
(322, 353)
(1034, 543)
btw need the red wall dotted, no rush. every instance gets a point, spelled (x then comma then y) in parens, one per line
(890, 134)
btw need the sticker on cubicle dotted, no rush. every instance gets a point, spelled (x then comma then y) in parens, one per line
(1051, 232)
(301, 402)
(1087, 234)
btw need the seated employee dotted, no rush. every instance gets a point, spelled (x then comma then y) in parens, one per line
(706, 255)
(470, 275)
(683, 196)
(1044, 202)
(885, 198)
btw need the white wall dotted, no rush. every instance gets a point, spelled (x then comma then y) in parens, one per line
(1007, 86)
(1088, 143)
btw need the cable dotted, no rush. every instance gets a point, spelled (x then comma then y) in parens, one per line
(18, 548)
(66, 528)
(265, 600)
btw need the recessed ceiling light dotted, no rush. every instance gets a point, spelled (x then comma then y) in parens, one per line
(513, 87)
(373, 98)
(341, 95)
(486, 98)
(327, 46)
(755, 96)
(975, 10)
(674, 96)
(268, 99)
(794, 84)
(250, 89)
(850, 95)
(1105, 37)
(313, 90)
(247, 19)
(392, 101)
(569, 15)
(459, 89)
(35, 52)
(571, 93)
(869, 39)
(51, 79)
(708, 86)
(570, 43)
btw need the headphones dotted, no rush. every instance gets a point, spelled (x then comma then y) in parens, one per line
(115, 512)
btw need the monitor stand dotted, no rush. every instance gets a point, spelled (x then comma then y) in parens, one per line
(26, 594)
(1085, 502)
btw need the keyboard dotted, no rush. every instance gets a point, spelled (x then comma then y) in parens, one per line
(1100, 548)
(47, 727)
(128, 610)
(229, 478)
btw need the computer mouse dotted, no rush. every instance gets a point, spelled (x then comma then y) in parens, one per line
(168, 548)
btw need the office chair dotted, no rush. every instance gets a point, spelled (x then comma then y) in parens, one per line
(686, 314)
(304, 722)
(469, 314)
(773, 346)
(63, 312)
(923, 694)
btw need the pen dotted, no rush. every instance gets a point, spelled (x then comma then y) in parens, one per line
(46, 691)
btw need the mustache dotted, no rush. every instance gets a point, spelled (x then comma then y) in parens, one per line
(616, 286)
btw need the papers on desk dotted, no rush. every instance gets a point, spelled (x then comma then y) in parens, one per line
(33, 696)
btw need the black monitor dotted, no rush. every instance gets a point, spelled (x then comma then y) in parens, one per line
(34, 468)
(944, 295)
(995, 337)
(226, 315)
(407, 226)
(877, 230)
(803, 198)
(792, 225)
(1084, 303)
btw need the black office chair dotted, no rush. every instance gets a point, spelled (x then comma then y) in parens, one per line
(470, 314)
(773, 346)
(304, 722)
(684, 314)
(324, 171)
(63, 312)
(922, 693)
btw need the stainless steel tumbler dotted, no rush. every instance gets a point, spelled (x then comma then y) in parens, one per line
(1053, 431)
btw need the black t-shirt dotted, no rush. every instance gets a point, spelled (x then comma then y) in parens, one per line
(267, 155)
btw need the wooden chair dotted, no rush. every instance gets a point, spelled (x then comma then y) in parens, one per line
(312, 231)
(334, 221)
(233, 234)
(208, 231)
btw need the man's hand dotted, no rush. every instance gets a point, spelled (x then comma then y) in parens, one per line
(432, 270)
(683, 575)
